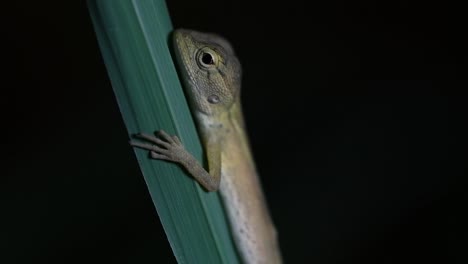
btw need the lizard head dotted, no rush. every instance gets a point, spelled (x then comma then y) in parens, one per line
(210, 70)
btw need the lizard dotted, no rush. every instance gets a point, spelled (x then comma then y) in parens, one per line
(211, 75)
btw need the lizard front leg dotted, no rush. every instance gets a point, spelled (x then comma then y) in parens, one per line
(170, 148)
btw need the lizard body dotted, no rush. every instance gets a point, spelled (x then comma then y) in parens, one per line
(212, 78)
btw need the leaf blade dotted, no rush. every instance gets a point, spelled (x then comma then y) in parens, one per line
(133, 37)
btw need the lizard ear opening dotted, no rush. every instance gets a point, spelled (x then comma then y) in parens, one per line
(213, 99)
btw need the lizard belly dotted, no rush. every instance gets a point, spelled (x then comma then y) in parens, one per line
(251, 225)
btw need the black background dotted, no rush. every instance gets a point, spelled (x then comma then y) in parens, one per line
(360, 148)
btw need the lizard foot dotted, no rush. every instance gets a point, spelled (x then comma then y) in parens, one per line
(162, 147)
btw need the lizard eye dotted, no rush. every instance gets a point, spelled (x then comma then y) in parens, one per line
(207, 58)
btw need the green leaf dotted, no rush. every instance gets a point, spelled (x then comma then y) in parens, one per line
(134, 37)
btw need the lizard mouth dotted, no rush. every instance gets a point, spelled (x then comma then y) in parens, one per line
(184, 47)
(180, 48)
(183, 55)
